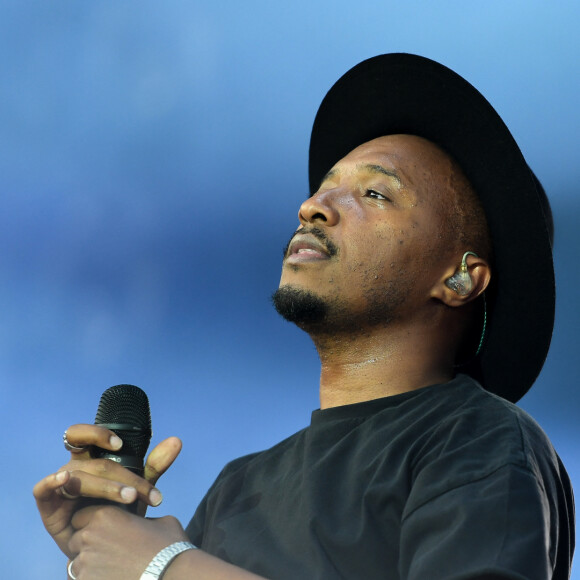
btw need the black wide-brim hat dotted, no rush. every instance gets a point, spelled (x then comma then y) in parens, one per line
(407, 94)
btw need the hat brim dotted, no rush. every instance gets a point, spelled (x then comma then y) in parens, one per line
(408, 94)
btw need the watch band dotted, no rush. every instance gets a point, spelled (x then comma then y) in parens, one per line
(161, 561)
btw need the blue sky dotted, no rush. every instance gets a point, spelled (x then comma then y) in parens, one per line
(152, 160)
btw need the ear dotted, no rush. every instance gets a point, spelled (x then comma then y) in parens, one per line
(478, 270)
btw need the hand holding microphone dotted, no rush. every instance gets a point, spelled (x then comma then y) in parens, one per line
(106, 464)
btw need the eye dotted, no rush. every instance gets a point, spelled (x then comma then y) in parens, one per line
(374, 194)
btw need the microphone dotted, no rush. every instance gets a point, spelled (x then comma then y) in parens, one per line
(124, 409)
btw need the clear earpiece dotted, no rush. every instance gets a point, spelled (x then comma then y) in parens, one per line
(461, 281)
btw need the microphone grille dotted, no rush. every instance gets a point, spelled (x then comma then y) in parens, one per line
(125, 410)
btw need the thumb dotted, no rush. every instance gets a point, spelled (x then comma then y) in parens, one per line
(161, 458)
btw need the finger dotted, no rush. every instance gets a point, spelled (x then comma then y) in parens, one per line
(68, 481)
(54, 509)
(111, 470)
(106, 479)
(88, 485)
(69, 569)
(44, 490)
(161, 458)
(84, 435)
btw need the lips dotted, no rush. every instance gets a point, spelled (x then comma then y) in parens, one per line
(306, 248)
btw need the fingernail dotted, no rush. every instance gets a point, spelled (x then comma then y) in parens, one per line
(115, 442)
(129, 494)
(61, 477)
(155, 497)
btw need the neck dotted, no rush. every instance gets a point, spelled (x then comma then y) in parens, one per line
(380, 363)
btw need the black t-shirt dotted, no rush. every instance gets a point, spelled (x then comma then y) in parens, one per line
(445, 482)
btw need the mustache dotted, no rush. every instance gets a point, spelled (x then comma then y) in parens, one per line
(319, 234)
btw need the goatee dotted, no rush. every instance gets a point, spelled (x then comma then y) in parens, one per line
(301, 307)
(322, 316)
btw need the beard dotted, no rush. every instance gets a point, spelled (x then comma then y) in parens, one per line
(301, 307)
(327, 316)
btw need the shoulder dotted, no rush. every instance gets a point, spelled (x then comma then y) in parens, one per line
(494, 427)
(486, 473)
(471, 435)
(445, 417)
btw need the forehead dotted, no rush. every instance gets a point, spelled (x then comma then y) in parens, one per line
(409, 153)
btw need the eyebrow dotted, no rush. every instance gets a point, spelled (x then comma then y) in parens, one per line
(370, 167)
(374, 168)
(329, 175)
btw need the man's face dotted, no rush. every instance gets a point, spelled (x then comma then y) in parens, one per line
(371, 242)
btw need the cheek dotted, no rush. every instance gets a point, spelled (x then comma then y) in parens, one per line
(376, 256)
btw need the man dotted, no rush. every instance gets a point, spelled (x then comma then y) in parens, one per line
(422, 270)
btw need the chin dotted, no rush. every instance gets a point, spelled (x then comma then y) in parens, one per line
(302, 307)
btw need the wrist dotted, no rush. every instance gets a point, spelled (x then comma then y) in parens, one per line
(159, 564)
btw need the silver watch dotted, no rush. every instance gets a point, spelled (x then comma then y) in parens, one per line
(159, 564)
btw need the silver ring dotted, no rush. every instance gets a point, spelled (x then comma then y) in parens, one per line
(69, 570)
(66, 494)
(70, 447)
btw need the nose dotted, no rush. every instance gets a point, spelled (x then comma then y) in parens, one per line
(321, 207)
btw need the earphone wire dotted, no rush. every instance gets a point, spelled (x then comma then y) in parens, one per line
(482, 338)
